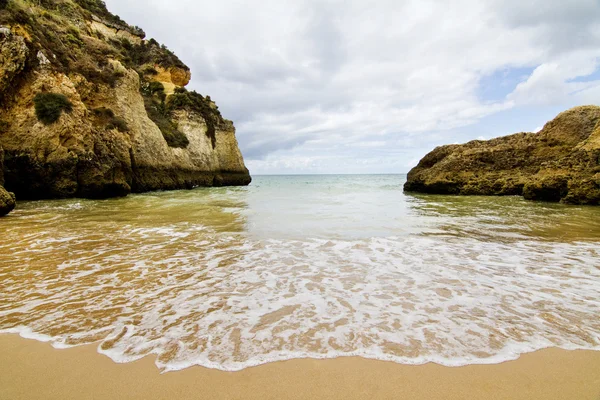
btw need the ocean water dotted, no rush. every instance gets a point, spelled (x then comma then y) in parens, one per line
(302, 266)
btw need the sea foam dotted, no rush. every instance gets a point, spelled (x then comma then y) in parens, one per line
(230, 302)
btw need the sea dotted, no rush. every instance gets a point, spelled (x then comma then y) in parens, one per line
(293, 267)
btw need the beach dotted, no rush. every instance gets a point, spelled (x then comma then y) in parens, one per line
(253, 280)
(260, 200)
(34, 370)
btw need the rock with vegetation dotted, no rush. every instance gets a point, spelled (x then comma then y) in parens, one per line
(50, 106)
(561, 163)
(90, 108)
(7, 200)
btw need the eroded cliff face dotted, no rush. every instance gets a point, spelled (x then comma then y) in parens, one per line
(559, 163)
(129, 126)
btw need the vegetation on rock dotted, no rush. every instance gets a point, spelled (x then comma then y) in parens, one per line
(159, 113)
(150, 89)
(193, 101)
(7, 202)
(62, 42)
(160, 110)
(106, 116)
(149, 70)
(50, 106)
(559, 163)
(147, 52)
(58, 29)
(107, 147)
(98, 8)
(7, 199)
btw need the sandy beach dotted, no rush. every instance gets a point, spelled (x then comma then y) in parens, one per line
(34, 370)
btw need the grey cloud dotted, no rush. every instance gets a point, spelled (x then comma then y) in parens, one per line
(329, 80)
(258, 151)
(540, 12)
(561, 25)
(326, 39)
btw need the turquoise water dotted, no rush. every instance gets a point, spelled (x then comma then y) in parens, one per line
(364, 206)
(302, 266)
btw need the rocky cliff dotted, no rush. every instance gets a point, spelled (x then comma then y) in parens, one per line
(559, 163)
(89, 108)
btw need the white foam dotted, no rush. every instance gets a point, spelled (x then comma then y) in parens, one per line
(231, 302)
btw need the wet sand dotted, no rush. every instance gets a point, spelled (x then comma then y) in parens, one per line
(34, 370)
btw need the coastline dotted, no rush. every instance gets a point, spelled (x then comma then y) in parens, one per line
(34, 370)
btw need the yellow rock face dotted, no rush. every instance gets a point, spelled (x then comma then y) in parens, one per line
(112, 33)
(106, 144)
(559, 163)
(171, 78)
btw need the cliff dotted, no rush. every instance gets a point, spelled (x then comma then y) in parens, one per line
(89, 108)
(559, 163)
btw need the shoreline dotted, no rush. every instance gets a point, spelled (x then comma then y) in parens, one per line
(31, 369)
(28, 334)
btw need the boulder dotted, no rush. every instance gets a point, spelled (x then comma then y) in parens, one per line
(7, 202)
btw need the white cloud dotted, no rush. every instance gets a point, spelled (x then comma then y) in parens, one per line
(552, 82)
(312, 83)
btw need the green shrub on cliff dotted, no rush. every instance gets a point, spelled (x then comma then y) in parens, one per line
(149, 70)
(158, 113)
(13, 13)
(54, 34)
(98, 8)
(50, 106)
(144, 53)
(106, 116)
(193, 101)
(74, 37)
(58, 29)
(103, 113)
(119, 124)
(157, 89)
(98, 74)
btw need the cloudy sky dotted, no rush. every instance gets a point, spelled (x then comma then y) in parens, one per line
(353, 86)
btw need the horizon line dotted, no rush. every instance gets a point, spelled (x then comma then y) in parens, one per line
(325, 174)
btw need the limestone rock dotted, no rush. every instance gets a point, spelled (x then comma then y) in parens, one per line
(108, 144)
(559, 163)
(171, 78)
(7, 202)
(13, 56)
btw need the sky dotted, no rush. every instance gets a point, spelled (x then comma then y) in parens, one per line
(354, 86)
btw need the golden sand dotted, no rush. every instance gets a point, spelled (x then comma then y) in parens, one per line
(34, 370)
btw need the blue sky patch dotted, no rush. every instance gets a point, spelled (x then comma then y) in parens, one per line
(496, 86)
(587, 78)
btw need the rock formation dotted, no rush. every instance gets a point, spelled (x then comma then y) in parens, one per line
(7, 200)
(559, 163)
(89, 108)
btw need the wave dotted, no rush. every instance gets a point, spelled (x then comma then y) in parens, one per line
(191, 295)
